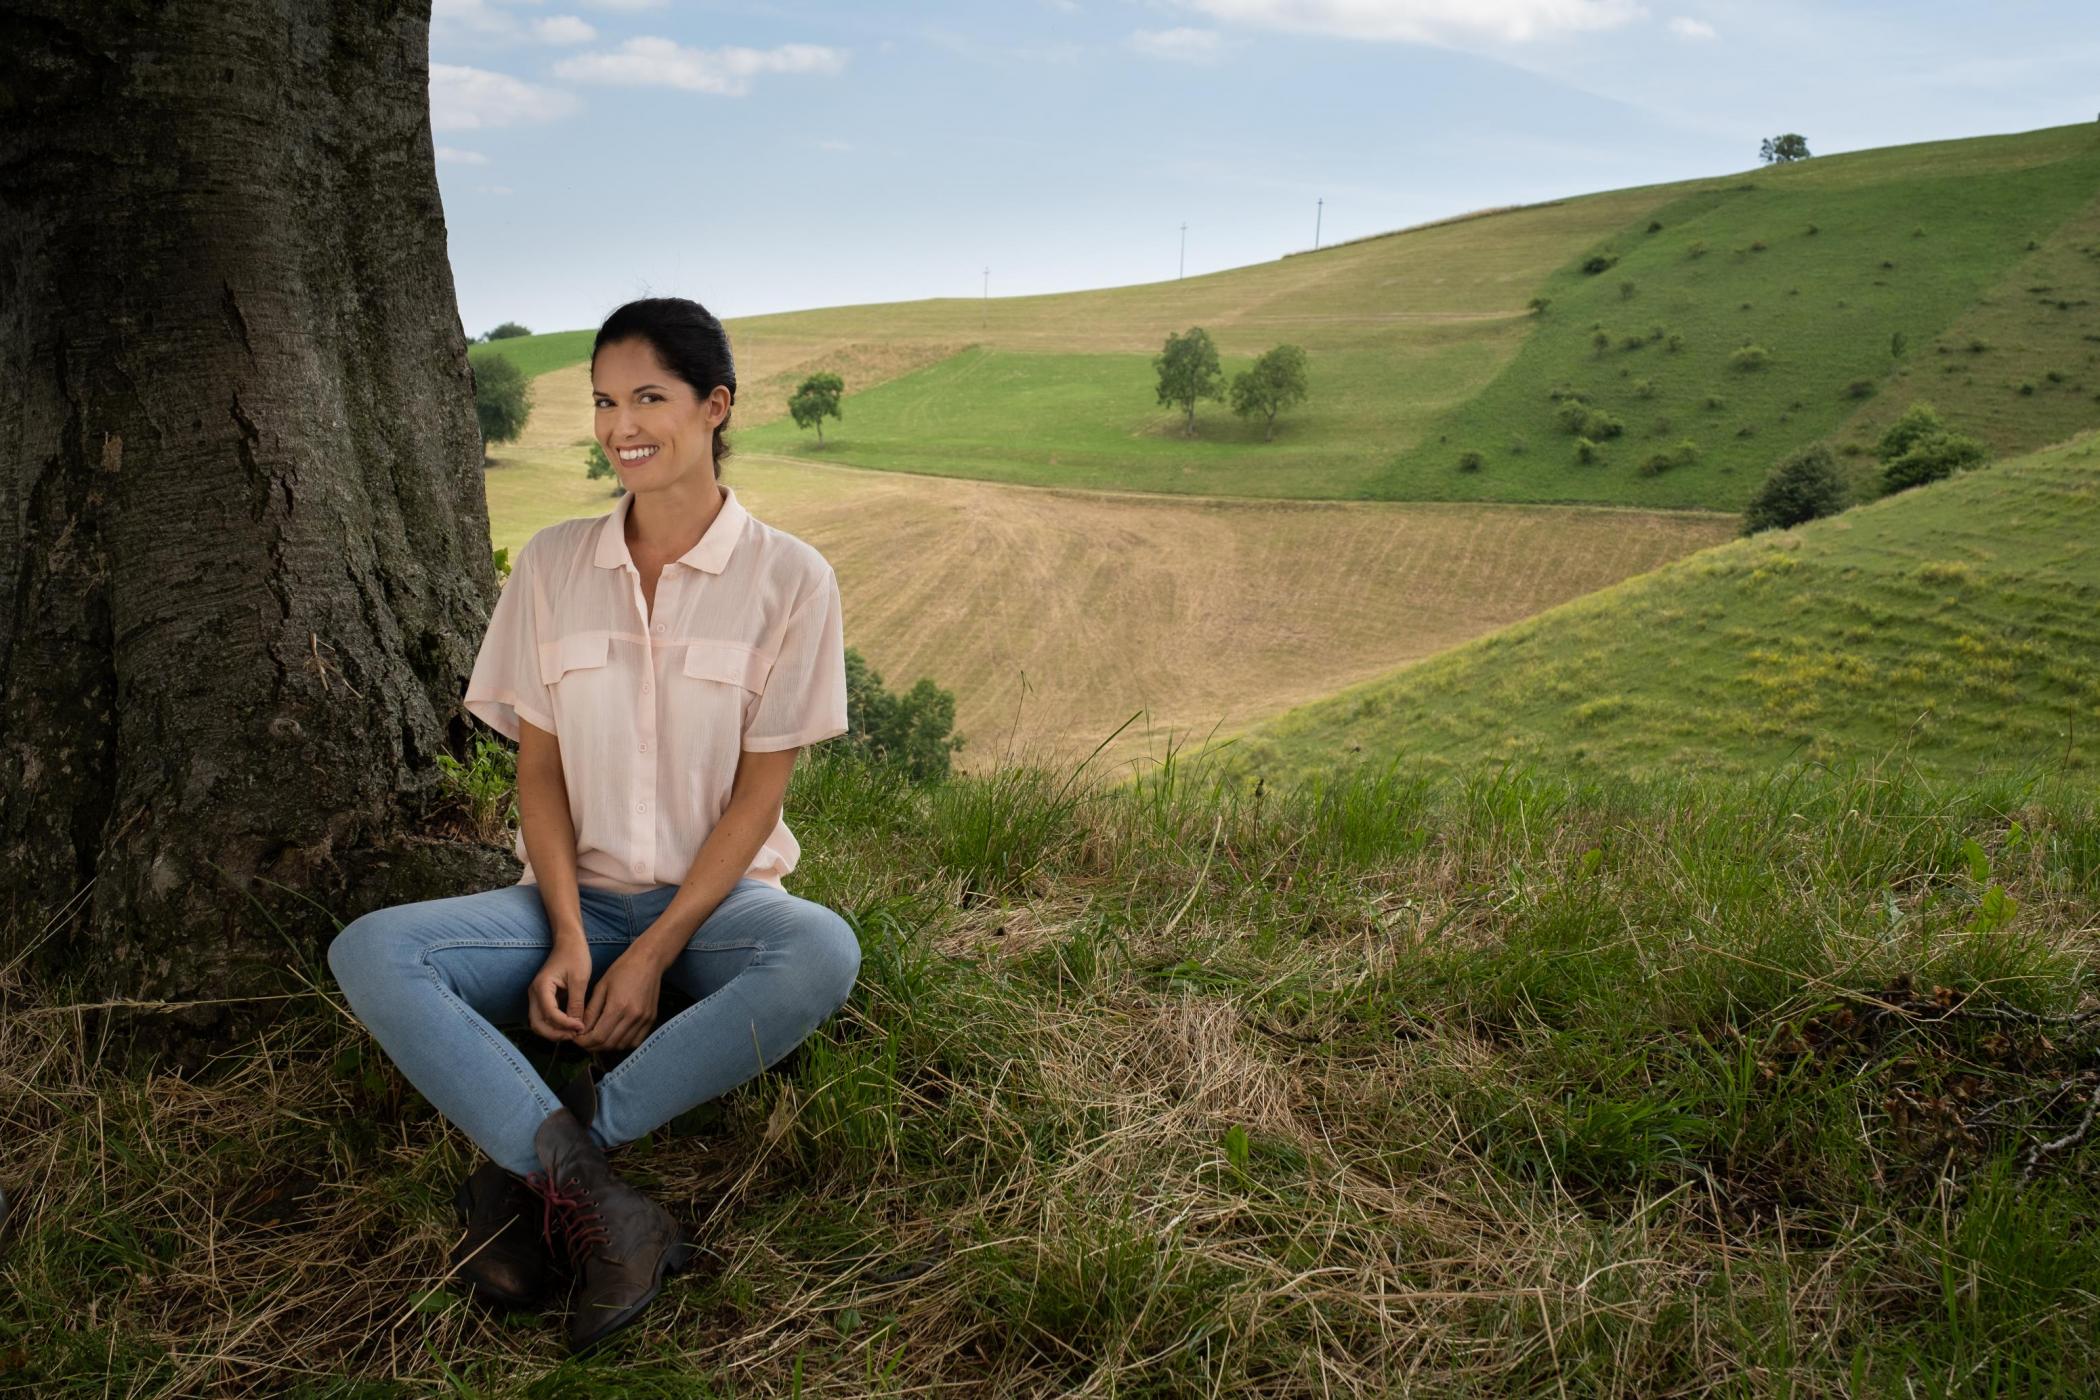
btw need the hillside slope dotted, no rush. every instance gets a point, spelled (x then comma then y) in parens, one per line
(1960, 622)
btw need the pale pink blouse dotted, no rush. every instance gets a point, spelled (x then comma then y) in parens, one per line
(745, 650)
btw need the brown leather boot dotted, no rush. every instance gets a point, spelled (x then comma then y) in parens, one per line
(620, 1243)
(503, 1257)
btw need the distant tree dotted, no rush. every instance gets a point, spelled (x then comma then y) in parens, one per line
(509, 330)
(815, 399)
(1188, 371)
(1804, 487)
(1276, 382)
(1778, 150)
(1930, 458)
(1918, 422)
(601, 467)
(909, 731)
(502, 399)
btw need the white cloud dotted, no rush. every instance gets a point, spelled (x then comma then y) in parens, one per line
(452, 155)
(1425, 21)
(472, 99)
(726, 72)
(1685, 28)
(562, 29)
(1180, 45)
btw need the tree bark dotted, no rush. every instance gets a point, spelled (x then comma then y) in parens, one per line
(244, 556)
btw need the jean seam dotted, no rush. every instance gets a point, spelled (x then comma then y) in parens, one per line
(481, 1027)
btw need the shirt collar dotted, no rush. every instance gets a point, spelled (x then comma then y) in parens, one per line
(709, 554)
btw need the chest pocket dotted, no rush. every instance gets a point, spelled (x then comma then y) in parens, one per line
(577, 651)
(723, 682)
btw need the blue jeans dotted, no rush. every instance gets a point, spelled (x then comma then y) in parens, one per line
(432, 981)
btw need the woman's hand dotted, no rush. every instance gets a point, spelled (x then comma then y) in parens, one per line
(622, 1008)
(556, 994)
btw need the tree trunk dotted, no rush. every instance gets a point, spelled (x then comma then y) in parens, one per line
(244, 556)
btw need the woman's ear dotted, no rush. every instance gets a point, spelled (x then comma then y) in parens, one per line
(718, 406)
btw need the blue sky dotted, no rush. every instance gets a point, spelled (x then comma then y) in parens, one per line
(771, 156)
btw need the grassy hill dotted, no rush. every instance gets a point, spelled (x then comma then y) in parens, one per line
(1423, 350)
(1959, 622)
(1497, 1088)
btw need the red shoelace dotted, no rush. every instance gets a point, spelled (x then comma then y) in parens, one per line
(580, 1223)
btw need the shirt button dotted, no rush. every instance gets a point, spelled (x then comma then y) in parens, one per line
(641, 806)
(645, 687)
(658, 627)
(640, 869)
(645, 748)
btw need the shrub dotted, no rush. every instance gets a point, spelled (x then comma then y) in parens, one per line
(1860, 389)
(1918, 422)
(1812, 230)
(1930, 458)
(2054, 376)
(1655, 226)
(1682, 455)
(1577, 417)
(1806, 486)
(1697, 250)
(509, 330)
(1602, 341)
(502, 399)
(1715, 403)
(1626, 290)
(1747, 430)
(1538, 305)
(1750, 357)
(1660, 427)
(1632, 342)
(1519, 445)
(1644, 389)
(1674, 344)
(1586, 452)
(1979, 346)
(1888, 264)
(1471, 461)
(2027, 386)
(1599, 262)
(1757, 245)
(1898, 340)
(908, 731)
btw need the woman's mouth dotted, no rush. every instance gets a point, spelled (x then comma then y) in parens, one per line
(629, 456)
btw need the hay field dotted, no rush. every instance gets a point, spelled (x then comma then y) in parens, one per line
(1055, 615)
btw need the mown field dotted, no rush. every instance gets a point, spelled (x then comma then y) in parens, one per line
(1957, 624)
(1057, 616)
(1495, 1087)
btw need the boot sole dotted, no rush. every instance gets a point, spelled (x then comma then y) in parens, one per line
(676, 1259)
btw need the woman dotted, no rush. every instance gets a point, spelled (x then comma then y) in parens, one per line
(659, 668)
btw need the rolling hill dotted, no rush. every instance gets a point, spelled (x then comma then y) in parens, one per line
(1962, 272)
(1958, 624)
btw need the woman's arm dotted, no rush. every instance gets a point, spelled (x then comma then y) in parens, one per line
(623, 1004)
(555, 1001)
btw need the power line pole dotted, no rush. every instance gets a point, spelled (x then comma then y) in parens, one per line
(1183, 265)
(1319, 208)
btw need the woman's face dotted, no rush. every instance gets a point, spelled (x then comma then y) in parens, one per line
(655, 428)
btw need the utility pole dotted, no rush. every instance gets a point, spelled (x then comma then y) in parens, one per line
(1183, 265)
(1319, 208)
(984, 318)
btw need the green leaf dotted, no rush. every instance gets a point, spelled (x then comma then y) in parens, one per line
(1995, 911)
(1236, 1146)
(1979, 863)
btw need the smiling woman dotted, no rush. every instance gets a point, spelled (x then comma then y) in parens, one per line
(660, 667)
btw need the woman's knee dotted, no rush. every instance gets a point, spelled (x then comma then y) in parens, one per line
(833, 950)
(366, 946)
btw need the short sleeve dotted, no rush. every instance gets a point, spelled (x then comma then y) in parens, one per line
(506, 683)
(805, 696)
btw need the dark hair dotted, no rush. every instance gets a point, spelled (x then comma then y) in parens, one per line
(687, 338)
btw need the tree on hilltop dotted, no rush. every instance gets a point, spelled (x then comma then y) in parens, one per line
(502, 400)
(509, 330)
(1188, 371)
(1780, 150)
(1276, 382)
(815, 399)
(599, 466)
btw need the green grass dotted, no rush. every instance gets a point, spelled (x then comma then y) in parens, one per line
(1894, 252)
(1499, 1086)
(1958, 622)
(1092, 421)
(536, 354)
